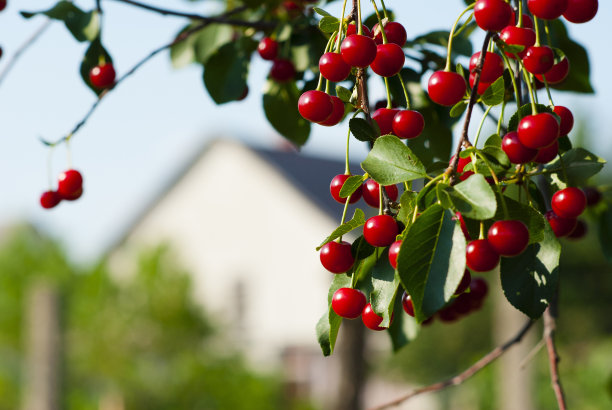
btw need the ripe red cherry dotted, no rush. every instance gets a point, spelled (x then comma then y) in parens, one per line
(492, 69)
(517, 152)
(560, 226)
(371, 193)
(480, 256)
(49, 199)
(336, 185)
(408, 124)
(580, 11)
(102, 76)
(557, 73)
(407, 304)
(282, 70)
(593, 196)
(465, 283)
(461, 165)
(478, 292)
(538, 131)
(352, 29)
(358, 51)
(569, 202)
(539, 59)
(446, 88)
(389, 60)
(492, 15)
(547, 154)
(380, 230)
(73, 197)
(518, 36)
(579, 231)
(348, 303)
(384, 118)
(508, 238)
(567, 119)
(70, 182)
(336, 257)
(315, 106)
(547, 9)
(393, 252)
(482, 86)
(527, 21)
(395, 32)
(370, 319)
(337, 112)
(333, 67)
(268, 48)
(2, 4)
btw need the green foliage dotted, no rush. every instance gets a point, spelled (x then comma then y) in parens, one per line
(227, 69)
(390, 162)
(84, 26)
(95, 55)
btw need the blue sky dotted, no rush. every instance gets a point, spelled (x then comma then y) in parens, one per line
(148, 127)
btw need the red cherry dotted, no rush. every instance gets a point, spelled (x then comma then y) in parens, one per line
(370, 319)
(539, 59)
(352, 29)
(547, 9)
(593, 196)
(463, 225)
(461, 165)
(315, 106)
(102, 76)
(557, 73)
(517, 152)
(336, 257)
(448, 314)
(407, 304)
(70, 182)
(547, 154)
(492, 69)
(478, 291)
(336, 185)
(282, 70)
(465, 283)
(348, 303)
(480, 256)
(527, 21)
(393, 252)
(371, 193)
(579, 231)
(508, 238)
(384, 118)
(389, 60)
(538, 131)
(380, 230)
(337, 112)
(358, 51)
(560, 226)
(2, 4)
(463, 303)
(50, 199)
(408, 124)
(567, 119)
(383, 104)
(580, 11)
(518, 36)
(73, 197)
(482, 86)
(569, 202)
(395, 32)
(492, 15)
(446, 88)
(268, 48)
(333, 67)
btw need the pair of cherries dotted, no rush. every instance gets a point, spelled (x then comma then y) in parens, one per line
(69, 188)
(282, 70)
(370, 190)
(351, 303)
(505, 238)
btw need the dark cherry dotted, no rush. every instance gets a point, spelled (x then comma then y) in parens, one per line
(446, 88)
(393, 252)
(557, 73)
(492, 69)
(518, 36)
(463, 175)
(539, 59)
(408, 124)
(508, 238)
(69, 184)
(389, 60)
(315, 106)
(358, 51)
(593, 196)
(560, 226)
(569, 202)
(465, 283)
(448, 314)
(282, 70)
(492, 15)
(580, 11)
(348, 303)
(102, 76)
(337, 113)
(268, 48)
(371, 193)
(50, 199)
(482, 86)
(74, 196)
(380, 230)
(384, 118)
(478, 292)
(395, 32)
(336, 185)
(352, 29)
(383, 104)
(370, 319)
(336, 257)
(547, 9)
(517, 152)
(480, 256)
(463, 303)
(2, 4)
(407, 304)
(547, 154)
(579, 231)
(333, 67)
(539, 130)
(567, 119)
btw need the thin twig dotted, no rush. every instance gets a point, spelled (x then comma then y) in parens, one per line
(534, 351)
(550, 325)
(462, 377)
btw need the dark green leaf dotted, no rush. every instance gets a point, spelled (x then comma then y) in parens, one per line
(356, 221)
(458, 109)
(384, 287)
(525, 110)
(344, 94)
(404, 328)
(350, 185)
(94, 55)
(280, 105)
(227, 69)
(84, 26)
(391, 162)
(605, 233)
(474, 198)
(361, 249)
(362, 130)
(579, 166)
(329, 24)
(329, 324)
(494, 95)
(407, 206)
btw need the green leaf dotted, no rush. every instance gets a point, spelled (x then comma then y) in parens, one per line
(329, 24)
(280, 105)
(384, 288)
(404, 328)
(474, 198)
(344, 94)
(391, 162)
(579, 165)
(493, 141)
(525, 110)
(321, 12)
(329, 324)
(407, 205)
(207, 41)
(431, 260)
(226, 71)
(351, 185)
(356, 221)
(529, 280)
(93, 56)
(604, 231)
(494, 95)
(361, 249)
(363, 130)
(84, 26)
(458, 109)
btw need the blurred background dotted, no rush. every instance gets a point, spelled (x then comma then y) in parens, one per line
(162, 287)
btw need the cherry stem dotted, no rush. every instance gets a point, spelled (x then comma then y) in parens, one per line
(347, 170)
(346, 204)
(389, 103)
(380, 202)
(360, 28)
(450, 37)
(484, 117)
(517, 95)
(537, 30)
(381, 26)
(501, 117)
(534, 109)
(547, 31)
(340, 28)
(382, 3)
(399, 76)
(481, 233)
(550, 100)
(520, 13)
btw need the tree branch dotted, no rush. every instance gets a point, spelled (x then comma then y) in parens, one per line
(462, 377)
(550, 325)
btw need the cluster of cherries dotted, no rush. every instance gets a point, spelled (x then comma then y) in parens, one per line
(69, 188)
(566, 206)
(282, 69)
